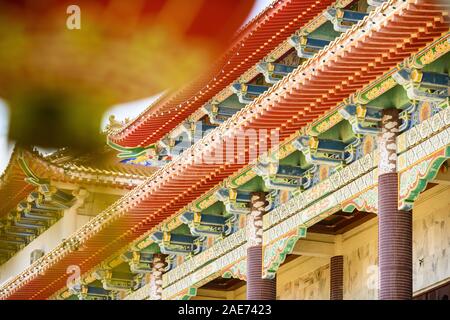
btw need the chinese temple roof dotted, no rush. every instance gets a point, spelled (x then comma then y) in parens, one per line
(261, 35)
(14, 186)
(104, 160)
(349, 63)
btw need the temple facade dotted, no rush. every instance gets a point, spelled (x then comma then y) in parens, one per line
(310, 162)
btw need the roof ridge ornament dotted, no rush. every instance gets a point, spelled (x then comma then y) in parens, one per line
(31, 177)
(128, 152)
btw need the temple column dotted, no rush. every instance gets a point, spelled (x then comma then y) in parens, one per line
(257, 287)
(394, 226)
(337, 278)
(156, 282)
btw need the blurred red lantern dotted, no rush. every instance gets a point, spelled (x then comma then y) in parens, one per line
(62, 63)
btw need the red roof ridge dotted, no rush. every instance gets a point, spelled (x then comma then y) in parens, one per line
(166, 124)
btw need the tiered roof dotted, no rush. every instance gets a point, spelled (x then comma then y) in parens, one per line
(349, 63)
(14, 187)
(259, 36)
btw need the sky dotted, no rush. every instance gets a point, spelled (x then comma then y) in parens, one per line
(121, 111)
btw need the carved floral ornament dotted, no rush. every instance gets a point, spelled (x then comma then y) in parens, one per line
(442, 47)
(238, 270)
(275, 253)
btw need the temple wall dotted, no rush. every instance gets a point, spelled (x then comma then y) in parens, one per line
(431, 238)
(298, 282)
(308, 277)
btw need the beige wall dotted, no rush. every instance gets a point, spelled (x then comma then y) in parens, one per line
(431, 236)
(360, 250)
(297, 282)
(308, 277)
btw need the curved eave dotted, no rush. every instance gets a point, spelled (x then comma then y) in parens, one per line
(261, 36)
(14, 188)
(288, 106)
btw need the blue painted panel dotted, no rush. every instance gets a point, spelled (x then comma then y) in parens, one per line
(354, 16)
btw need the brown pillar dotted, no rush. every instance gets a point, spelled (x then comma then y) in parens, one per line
(337, 278)
(394, 226)
(158, 266)
(257, 287)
